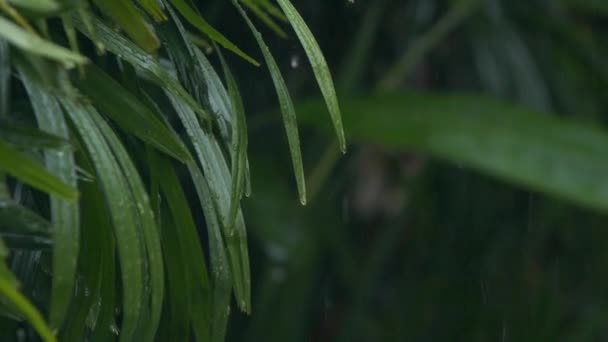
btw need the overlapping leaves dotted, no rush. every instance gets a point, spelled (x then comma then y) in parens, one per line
(111, 158)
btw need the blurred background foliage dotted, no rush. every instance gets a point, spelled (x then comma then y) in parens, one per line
(471, 205)
(410, 240)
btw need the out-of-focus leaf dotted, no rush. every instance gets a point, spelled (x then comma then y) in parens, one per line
(319, 67)
(287, 110)
(64, 215)
(31, 43)
(126, 15)
(200, 23)
(5, 77)
(141, 60)
(153, 8)
(123, 210)
(593, 6)
(541, 152)
(31, 172)
(129, 112)
(40, 6)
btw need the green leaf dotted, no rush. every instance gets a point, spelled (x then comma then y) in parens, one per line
(33, 44)
(264, 17)
(153, 8)
(28, 137)
(287, 110)
(141, 60)
(272, 9)
(220, 266)
(239, 144)
(122, 208)
(126, 15)
(31, 172)
(218, 180)
(559, 157)
(155, 278)
(200, 23)
(197, 73)
(129, 112)
(40, 6)
(319, 67)
(197, 288)
(64, 215)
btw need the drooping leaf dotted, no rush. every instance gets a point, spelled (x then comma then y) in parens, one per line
(141, 60)
(64, 215)
(542, 152)
(197, 21)
(287, 110)
(197, 73)
(155, 278)
(221, 271)
(129, 112)
(197, 287)
(122, 209)
(217, 177)
(239, 144)
(319, 67)
(32, 43)
(264, 17)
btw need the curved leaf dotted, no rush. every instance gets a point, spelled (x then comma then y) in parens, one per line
(64, 215)
(130, 113)
(200, 23)
(123, 212)
(287, 110)
(319, 67)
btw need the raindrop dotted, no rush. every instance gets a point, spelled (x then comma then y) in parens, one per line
(114, 329)
(351, 1)
(20, 335)
(295, 61)
(277, 253)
